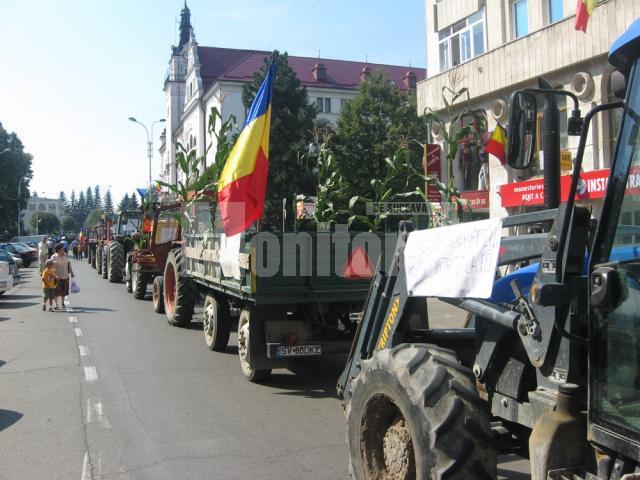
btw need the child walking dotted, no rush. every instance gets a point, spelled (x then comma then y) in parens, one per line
(48, 285)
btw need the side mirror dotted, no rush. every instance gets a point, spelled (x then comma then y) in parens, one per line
(522, 130)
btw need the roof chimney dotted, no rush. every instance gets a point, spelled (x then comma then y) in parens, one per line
(409, 80)
(320, 72)
(365, 73)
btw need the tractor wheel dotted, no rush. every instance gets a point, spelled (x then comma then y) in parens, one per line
(127, 275)
(157, 295)
(99, 260)
(414, 412)
(178, 291)
(116, 262)
(216, 322)
(105, 262)
(248, 338)
(139, 282)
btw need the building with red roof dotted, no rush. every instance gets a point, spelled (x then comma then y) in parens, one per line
(200, 78)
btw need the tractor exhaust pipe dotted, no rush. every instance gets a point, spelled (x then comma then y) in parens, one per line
(551, 148)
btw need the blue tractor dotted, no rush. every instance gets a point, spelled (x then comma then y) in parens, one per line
(550, 366)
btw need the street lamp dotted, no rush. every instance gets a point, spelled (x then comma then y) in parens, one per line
(149, 140)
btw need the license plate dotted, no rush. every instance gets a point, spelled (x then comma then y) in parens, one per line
(299, 351)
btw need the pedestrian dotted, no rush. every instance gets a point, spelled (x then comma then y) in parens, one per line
(48, 285)
(65, 244)
(50, 246)
(43, 253)
(74, 249)
(63, 270)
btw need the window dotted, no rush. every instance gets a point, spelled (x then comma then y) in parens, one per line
(462, 41)
(520, 14)
(556, 12)
(343, 104)
(323, 105)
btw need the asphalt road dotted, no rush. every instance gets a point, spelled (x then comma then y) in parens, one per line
(110, 391)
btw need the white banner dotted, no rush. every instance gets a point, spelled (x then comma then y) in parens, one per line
(230, 255)
(455, 261)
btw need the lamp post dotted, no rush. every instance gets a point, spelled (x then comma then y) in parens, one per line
(149, 140)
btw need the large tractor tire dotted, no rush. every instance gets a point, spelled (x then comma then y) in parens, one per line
(99, 260)
(414, 412)
(179, 292)
(116, 262)
(105, 262)
(139, 282)
(216, 322)
(248, 338)
(157, 294)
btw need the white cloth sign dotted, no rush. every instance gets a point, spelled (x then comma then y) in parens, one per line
(230, 255)
(455, 261)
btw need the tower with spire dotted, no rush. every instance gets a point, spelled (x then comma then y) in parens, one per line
(185, 28)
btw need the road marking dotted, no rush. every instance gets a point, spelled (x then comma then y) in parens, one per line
(73, 319)
(84, 351)
(86, 468)
(78, 332)
(90, 374)
(95, 414)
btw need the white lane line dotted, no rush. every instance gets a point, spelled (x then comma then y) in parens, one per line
(95, 414)
(86, 468)
(90, 374)
(73, 319)
(84, 350)
(78, 332)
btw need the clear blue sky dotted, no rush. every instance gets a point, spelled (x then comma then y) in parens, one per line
(73, 71)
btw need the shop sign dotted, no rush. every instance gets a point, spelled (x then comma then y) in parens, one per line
(476, 199)
(432, 169)
(591, 185)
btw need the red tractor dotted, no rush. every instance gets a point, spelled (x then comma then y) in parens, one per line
(146, 262)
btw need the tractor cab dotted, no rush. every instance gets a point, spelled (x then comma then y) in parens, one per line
(614, 337)
(128, 223)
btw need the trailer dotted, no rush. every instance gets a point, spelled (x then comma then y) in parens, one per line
(287, 295)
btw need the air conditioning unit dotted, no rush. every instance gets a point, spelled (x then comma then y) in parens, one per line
(500, 110)
(582, 85)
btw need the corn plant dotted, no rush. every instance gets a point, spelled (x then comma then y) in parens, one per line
(199, 179)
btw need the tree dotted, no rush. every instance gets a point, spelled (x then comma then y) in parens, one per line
(373, 127)
(291, 127)
(15, 165)
(108, 203)
(97, 198)
(81, 208)
(69, 224)
(133, 201)
(94, 217)
(124, 203)
(62, 197)
(45, 222)
(89, 199)
(71, 207)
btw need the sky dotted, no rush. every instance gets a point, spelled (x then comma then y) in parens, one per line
(72, 72)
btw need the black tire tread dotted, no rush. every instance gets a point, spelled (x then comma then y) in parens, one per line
(452, 413)
(185, 297)
(158, 282)
(116, 262)
(139, 289)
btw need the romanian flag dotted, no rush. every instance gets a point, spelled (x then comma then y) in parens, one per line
(243, 181)
(583, 12)
(497, 144)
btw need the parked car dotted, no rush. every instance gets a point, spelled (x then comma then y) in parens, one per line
(28, 255)
(13, 265)
(6, 279)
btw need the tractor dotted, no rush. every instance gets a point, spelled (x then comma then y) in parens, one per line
(103, 233)
(550, 366)
(115, 251)
(146, 261)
